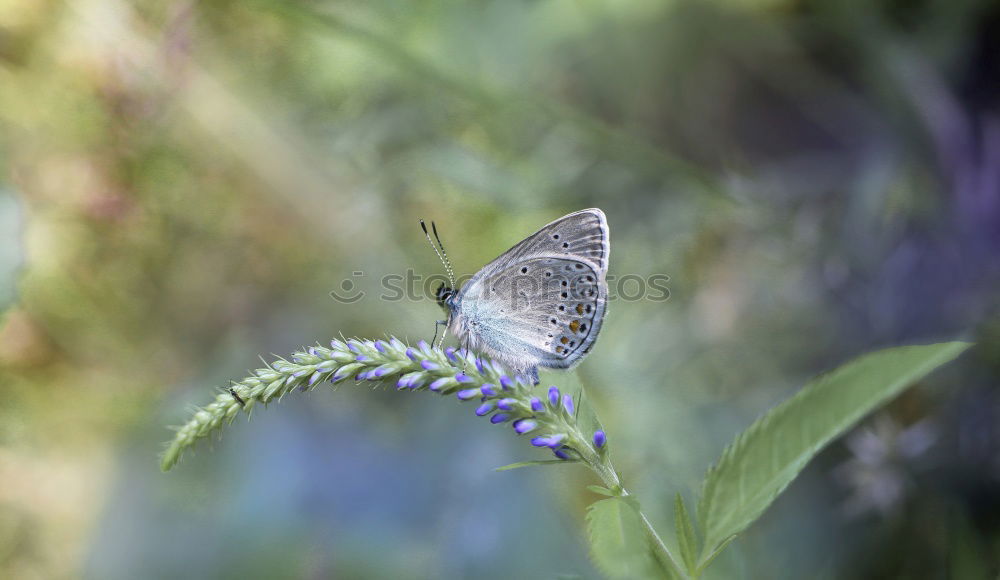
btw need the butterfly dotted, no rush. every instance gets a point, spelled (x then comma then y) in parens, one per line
(540, 303)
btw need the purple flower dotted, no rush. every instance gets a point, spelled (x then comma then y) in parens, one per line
(336, 344)
(409, 381)
(362, 358)
(422, 345)
(312, 350)
(536, 404)
(381, 371)
(439, 383)
(467, 394)
(506, 383)
(499, 418)
(600, 438)
(561, 454)
(450, 353)
(380, 346)
(552, 441)
(429, 366)
(484, 408)
(568, 403)
(479, 366)
(315, 377)
(336, 377)
(506, 404)
(411, 354)
(489, 390)
(554, 396)
(463, 378)
(522, 426)
(353, 347)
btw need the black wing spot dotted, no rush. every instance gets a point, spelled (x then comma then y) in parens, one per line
(579, 266)
(555, 236)
(524, 270)
(565, 244)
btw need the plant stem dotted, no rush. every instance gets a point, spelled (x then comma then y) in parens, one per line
(609, 476)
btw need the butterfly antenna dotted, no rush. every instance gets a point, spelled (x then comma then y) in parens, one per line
(440, 255)
(447, 260)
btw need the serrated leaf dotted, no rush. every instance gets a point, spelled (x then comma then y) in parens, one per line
(765, 458)
(687, 541)
(619, 545)
(521, 464)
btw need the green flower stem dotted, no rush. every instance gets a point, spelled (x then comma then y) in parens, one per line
(445, 372)
(609, 476)
(506, 398)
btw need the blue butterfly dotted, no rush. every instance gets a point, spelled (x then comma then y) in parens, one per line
(540, 303)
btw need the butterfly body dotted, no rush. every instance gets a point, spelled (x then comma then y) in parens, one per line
(542, 302)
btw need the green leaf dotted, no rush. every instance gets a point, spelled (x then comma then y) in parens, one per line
(601, 490)
(764, 459)
(686, 538)
(619, 544)
(521, 464)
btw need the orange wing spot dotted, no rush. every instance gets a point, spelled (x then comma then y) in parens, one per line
(574, 326)
(579, 309)
(564, 340)
(559, 349)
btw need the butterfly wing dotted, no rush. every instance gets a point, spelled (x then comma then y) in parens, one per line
(581, 235)
(543, 301)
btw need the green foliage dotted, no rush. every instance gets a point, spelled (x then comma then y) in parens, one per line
(601, 490)
(765, 458)
(686, 538)
(521, 464)
(619, 545)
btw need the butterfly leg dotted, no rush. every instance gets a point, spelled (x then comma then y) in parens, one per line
(532, 374)
(438, 323)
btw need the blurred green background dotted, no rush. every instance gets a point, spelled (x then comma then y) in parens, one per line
(185, 182)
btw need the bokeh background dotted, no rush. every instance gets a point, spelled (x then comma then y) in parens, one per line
(185, 182)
